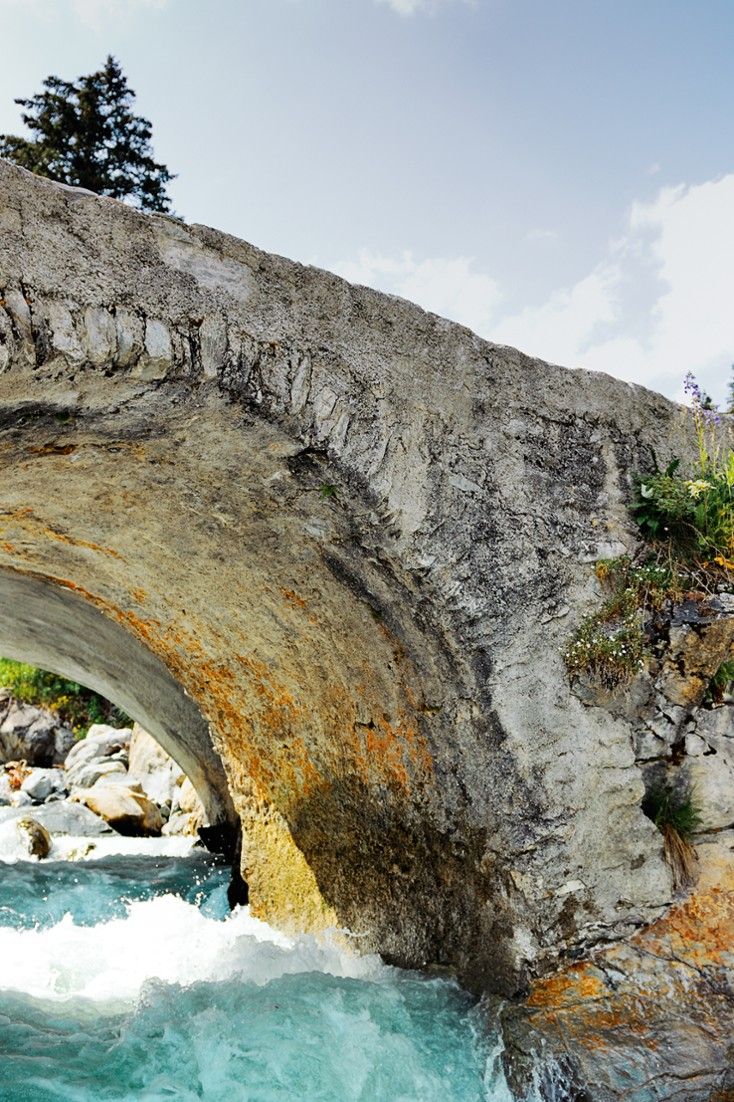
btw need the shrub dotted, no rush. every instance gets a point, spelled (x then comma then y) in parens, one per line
(75, 705)
(668, 808)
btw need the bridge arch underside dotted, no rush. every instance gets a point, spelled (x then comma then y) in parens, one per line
(213, 577)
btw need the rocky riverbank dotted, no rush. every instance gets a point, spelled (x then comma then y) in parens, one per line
(112, 780)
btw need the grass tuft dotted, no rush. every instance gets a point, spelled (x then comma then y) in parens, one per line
(676, 817)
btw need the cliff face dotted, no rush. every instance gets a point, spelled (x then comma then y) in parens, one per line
(652, 1017)
(343, 541)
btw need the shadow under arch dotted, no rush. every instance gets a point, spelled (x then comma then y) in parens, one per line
(50, 626)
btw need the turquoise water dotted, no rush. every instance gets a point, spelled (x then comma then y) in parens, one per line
(126, 978)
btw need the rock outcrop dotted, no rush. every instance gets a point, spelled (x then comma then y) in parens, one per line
(650, 1018)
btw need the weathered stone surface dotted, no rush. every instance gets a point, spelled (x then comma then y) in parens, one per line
(652, 1018)
(31, 734)
(67, 817)
(187, 814)
(61, 817)
(35, 838)
(103, 752)
(327, 548)
(41, 783)
(126, 811)
(156, 770)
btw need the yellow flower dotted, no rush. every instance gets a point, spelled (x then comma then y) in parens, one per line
(697, 487)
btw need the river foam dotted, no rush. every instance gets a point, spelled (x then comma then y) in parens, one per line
(169, 996)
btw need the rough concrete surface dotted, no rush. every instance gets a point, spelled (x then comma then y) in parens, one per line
(333, 546)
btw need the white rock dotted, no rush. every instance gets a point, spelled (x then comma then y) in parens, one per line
(87, 773)
(41, 783)
(128, 811)
(152, 767)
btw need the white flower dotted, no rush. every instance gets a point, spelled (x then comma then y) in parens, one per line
(697, 487)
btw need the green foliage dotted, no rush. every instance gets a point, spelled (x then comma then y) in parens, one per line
(85, 134)
(328, 490)
(75, 705)
(721, 683)
(611, 644)
(693, 516)
(669, 809)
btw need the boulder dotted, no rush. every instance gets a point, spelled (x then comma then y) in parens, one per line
(153, 767)
(34, 837)
(42, 783)
(32, 734)
(103, 751)
(187, 812)
(86, 773)
(70, 817)
(61, 817)
(102, 741)
(127, 811)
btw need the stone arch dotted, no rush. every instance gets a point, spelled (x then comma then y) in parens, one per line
(355, 535)
(51, 626)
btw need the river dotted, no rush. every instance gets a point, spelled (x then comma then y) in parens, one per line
(124, 977)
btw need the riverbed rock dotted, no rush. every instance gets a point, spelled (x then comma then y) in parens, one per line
(187, 813)
(127, 811)
(149, 764)
(42, 783)
(103, 751)
(71, 817)
(84, 774)
(32, 734)
(6, 791)
(61, 817)
(34, 837)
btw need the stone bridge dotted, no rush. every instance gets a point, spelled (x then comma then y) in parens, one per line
(327, 547)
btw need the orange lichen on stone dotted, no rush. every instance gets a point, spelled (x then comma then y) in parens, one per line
(668, 979)
(577, 983)
(53, 449)
(389, 753)
(35, 528)
(293, 598)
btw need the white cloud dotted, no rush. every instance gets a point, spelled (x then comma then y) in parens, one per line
(92, 13)
(541, 235)
(450, 287)
(659, 303)
(411, 7)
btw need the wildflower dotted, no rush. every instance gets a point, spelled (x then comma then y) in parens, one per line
(697, 486)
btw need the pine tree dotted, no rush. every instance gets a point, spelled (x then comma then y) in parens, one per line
(86, 134)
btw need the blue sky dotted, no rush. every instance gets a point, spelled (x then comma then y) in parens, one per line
(558, 176)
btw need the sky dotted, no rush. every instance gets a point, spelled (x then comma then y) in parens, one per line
(557, 176)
